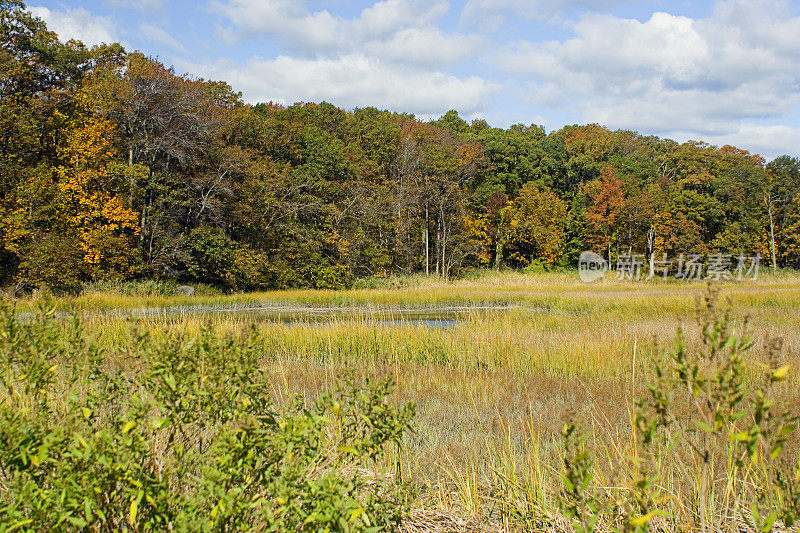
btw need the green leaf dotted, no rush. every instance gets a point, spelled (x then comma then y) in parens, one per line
(77, 522)
(348, 449)
(768, 523)
(741, 437)
(41, 454)
(160, 423)
(738, 414)
(728, 343)
(776, 451)
(780, 374)
(644, 519)
(586, 481)
(754, 514)
(134, 508)
(702, 425)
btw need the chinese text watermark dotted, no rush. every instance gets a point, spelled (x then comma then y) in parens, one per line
(635, 267)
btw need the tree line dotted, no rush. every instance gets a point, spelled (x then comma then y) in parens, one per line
(114, 166)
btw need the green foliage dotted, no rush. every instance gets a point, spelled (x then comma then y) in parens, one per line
(698, 403)
(578, 499)
(537, 220)
(126, 169)
(212, 257)
(190, 441)
(54, 262)
(537, 266)
(132, 288)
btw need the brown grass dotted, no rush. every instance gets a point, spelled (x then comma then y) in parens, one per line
(493, 392)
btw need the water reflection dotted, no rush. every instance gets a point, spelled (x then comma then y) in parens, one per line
(437, 318)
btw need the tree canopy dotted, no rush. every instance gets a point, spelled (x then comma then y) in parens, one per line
(116, 167)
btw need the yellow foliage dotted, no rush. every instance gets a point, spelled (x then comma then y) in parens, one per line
(102, 218)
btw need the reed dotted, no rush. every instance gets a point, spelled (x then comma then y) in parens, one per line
(494, 390)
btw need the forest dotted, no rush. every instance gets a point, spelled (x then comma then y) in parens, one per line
(115, 167)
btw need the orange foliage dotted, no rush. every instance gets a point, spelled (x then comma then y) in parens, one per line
(104, 221)
(607, 201)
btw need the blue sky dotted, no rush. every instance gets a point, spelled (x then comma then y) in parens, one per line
(725, 72)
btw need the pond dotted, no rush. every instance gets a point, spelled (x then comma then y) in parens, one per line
(434, 317)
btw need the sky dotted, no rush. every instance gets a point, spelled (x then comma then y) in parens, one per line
(723, 72)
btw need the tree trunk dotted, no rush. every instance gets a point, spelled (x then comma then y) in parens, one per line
(651, 237)
(771, 233)
(444, 255)
(438, 244)
(427, 243)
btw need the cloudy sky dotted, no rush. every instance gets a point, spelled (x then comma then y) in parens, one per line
(725, 72)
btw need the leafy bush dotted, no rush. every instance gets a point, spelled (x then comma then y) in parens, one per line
(701, 411)
(537, 266)
(55, 262)
(181, 435)
(144, 287)
(326, 276)
(212, 257)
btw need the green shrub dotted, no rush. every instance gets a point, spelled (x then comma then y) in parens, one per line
(537, 266)
(189, 441)
(144, 288)
(325, 276)
(701, 411)
(212, 257)
(55, 261)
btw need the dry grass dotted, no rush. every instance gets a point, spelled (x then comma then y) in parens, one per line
(493, 392)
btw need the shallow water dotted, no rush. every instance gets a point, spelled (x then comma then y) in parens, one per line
(437, 318)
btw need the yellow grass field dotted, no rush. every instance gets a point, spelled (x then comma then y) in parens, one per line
(494, 389)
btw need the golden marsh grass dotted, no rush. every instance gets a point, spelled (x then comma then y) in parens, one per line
(492, 391)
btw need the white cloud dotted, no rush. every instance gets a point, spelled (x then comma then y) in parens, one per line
(142, 5)
(489, 15)
(425, 46)
(671, 73)
(389, 16)
(390, 55)
(351, 81)
(290, 20)
(77, 24)
(399, 31)
(159, 35)
(768, 141)
(285, 19)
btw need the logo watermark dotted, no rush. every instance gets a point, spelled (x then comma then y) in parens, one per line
(592, 267)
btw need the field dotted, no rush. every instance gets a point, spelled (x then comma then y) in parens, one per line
(494, 389)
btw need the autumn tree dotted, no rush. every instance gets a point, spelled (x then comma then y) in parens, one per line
(780, 190)
(492, 227)
(115, 166)
(37, 76)
(603, 216)
(538, 219)
(95, 198)
(168, 124)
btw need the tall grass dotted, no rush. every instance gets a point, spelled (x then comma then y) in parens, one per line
(494, 391)
(498, 288)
